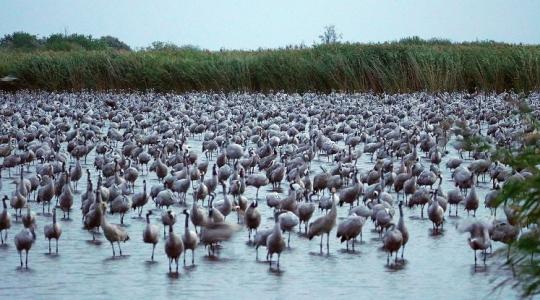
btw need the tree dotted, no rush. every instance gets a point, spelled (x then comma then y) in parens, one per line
(330, 36)
(114, 43)
(19, 41)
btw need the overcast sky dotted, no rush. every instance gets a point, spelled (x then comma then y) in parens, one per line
(249, 24)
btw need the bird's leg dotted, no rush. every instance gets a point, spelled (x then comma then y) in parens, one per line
(20, 256)
(56, 246)
(289, 240)
(49, 246)
(192, 256)
(26, 261)
(113, 253)
(153, 248)
(119, 247)
(170, 262)
(184, 259)
(328, 243)
(321, 242)
(278, 256)
(475, 258)
(402, 251)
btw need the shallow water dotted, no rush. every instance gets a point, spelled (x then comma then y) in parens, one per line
(435, 266)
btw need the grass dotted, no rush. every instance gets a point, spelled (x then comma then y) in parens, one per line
(390, 67)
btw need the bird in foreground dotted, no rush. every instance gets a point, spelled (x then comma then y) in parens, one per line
(53, 231)
(150, 233)
(113, 233)
(173, 248)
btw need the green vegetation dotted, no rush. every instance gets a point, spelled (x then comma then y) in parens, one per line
(80, 62)
(25, 42)
(522, 198)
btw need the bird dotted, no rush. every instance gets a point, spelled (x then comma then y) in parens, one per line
(113, 233)
(287, 222)
(173, 247)
(5, 220)
(479, 238)
(402, 228)
(151, 233)
(392, 241)
(29, 220)
(323, 225)
(224, 206)
(435, 213)
(139, 200)
(24, 241)
(350, 228)
(252, 218)
(92, 220)
(260, 238)
(215, 232)
(305, 212)
(53, 231)
(197, 215)
(471, 201)
(275, 243)
(168, 218)
(121, 205)
(189, 238)
(504, 233)
(65, 199)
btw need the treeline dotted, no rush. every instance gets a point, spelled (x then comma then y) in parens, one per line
(23, 41)
(408, 65)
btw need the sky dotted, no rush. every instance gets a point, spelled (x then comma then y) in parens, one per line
(251, 24)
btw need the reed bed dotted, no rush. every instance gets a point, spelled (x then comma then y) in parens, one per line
(390, 68)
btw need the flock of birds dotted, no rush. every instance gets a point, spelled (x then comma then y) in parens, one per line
(254, 141)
